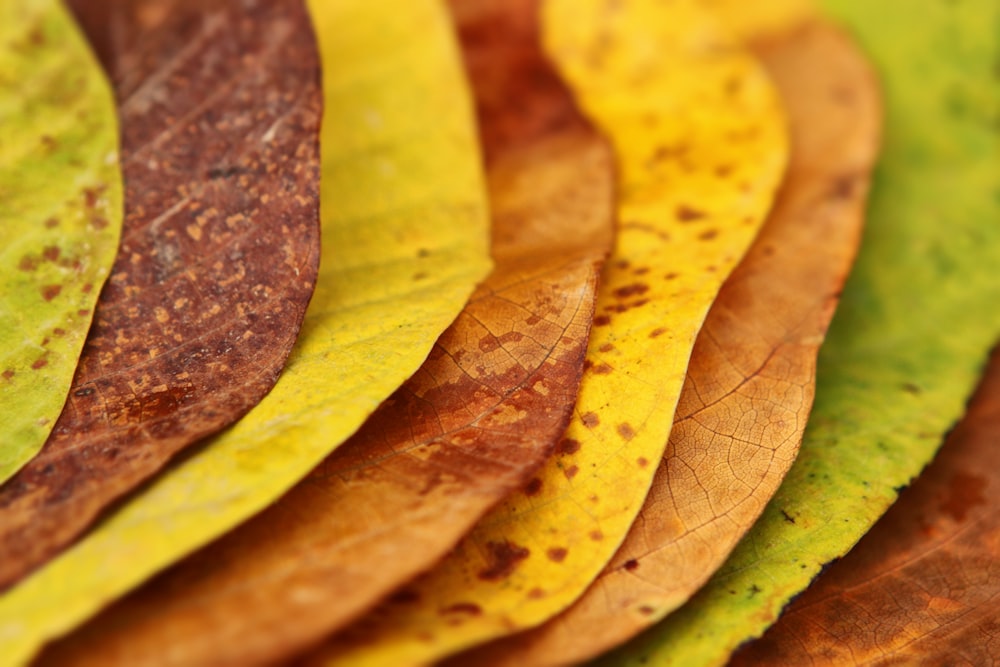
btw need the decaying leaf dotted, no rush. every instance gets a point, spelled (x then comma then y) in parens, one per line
(482, 413)
(700, 140)
(405, 240)
(923, 587)
(60, 215)
(906, 346)
(750, 383)
(218, 253)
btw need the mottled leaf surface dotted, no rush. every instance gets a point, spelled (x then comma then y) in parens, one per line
(60, 215)
(908, 340)
(923, 587)
(483, 412)
(700, 140)
(751, 380)
(405, 239)
(218, 254)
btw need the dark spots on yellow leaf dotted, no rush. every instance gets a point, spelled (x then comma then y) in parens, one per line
(723, 170)
(631, 565)
(646, 610)
(83, 312)
(602, 320)
(49, 143)
(536, 594)
(417, 277)
(571, 472)
(27, 263)
(466, 608)
(533, 320)
(708, 235)
(39, 363)
(590, 420)
(488, 344)
(622, 264)
(642, 461)
(423, 252)
(754, 590)
(86, 289)
(635, 289)
(688, 214)
(504, 557)
(788, 517)
(964, 492)
(533, 487)
(657, 332)
(50, 292)
(59, 332)
(603, 369)
(596, 535)
(607, 347)
(8, 374)
(51, 223)
(99, 222)
(569, 446)
(641, 271)
(557, 554)
(405, 596)
(92, 195)
(626, 431)
(51, 253)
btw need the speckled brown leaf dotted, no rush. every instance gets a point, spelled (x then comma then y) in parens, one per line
(486, 408)
(219, 106)
(923, 587)
(750, 383)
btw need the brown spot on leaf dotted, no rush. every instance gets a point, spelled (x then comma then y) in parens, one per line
(708, 234)
(646, 610)
(590, 420)
(603, 369)
(51, 223)
(557, 554)
(59, 332)
(569, 446)
(607, 347)
(631, 565)
(688, 214)
(596, 535)
(626, 431)
(642, 461)
(51, 253)
(536, 594)
(467, 608)
(634, 289)
(41, 362)
(602, 321)
(50, 292)
(504, 558)
(8, 374)
(27, 263)
(657, 332)
(533, 487)
(571, 472)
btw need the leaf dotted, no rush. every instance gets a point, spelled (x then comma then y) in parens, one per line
(908, 339)
(695, 186)
(218, 254)
(471, 426)
(750, 383)
(60, 215)
(923, 585)
(403, 196)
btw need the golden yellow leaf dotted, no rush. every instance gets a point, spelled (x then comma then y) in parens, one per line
(701, 143)
(751, 380)
(469, 427)
(60, 214)
(404, 242)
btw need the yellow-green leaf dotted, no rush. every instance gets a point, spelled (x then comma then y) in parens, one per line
(60, 214)
(405, 240)
(701, 143)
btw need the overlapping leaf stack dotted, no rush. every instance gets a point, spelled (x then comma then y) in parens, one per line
(559, 388)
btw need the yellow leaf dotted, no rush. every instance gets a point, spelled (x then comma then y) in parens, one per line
(60, 214)
(701, 144)
(404, 242)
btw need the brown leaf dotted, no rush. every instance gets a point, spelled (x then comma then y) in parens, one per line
(923, 587)
(469, 428)
(218, 257)
(751, 379)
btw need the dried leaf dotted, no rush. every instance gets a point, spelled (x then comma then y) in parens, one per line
(482, 413)
(701, 144)
(923, 587)
(906, 345)
(60, 215)
(751, 380)
(404, 242)
(218, 254)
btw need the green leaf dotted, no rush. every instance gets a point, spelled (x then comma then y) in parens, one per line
(60, 214)
(405, 240)
(909, 341)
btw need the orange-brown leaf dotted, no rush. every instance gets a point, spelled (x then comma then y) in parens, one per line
(750, 383)
(219, 252)
(486, 408)
(923, 587)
